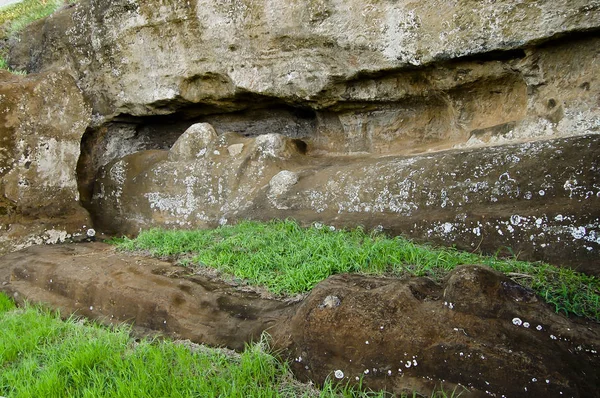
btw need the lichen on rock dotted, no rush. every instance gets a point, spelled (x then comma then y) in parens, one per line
(359, 100)
(42, 120)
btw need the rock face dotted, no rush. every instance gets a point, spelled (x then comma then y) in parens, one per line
(93, 280)
(42, 121)
(486, 198)
(204, 179)
(155, 57)
(349, 86)
(478, 329)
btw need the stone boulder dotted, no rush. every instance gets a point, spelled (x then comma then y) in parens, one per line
(493, 198)
(42, 120)
(476, 330)
(203, 181)
(479, 329)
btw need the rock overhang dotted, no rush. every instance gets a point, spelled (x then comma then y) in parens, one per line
(379, 79)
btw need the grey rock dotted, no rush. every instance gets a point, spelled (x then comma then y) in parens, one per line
(194, 142)
(473, 198)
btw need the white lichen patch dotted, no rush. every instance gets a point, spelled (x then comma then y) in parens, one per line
(542, 231)
(54, 236)
(174, 205)
(402, 28)
(56, 162)
(281, 183)
(331, 302)
(117, 174)
(271, 145)
(578, 232)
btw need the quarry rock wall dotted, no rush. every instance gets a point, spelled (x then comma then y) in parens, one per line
(348, 86)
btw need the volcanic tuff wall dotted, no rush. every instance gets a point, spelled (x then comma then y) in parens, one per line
(42, 120)
(319, 107)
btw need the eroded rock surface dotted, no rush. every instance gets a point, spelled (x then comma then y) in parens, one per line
(42, 121)
(154, 57)
(477, 329)
(357, 88)
(377, 77)
(95, 281)
(476, 199)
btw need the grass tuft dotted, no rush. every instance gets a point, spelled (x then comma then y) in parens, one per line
(6, 304)
(288, 259)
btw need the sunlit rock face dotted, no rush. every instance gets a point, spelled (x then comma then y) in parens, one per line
(42, 120)
(363, 92)
(153, 57)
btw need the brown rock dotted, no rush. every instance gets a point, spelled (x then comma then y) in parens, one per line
(492, 198)
(42, 120)
(95, 281)
(478, 329)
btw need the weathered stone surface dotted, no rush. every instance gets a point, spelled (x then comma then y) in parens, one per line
(206, 51)
(95, 281)
(383, 76)
(347, 78)
(42, 120)
(475, 199)
(199, 182)
(477, 329)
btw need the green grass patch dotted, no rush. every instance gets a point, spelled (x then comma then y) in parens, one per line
(44, 356)
(6, 304)
(288, 259)
(14, 17)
